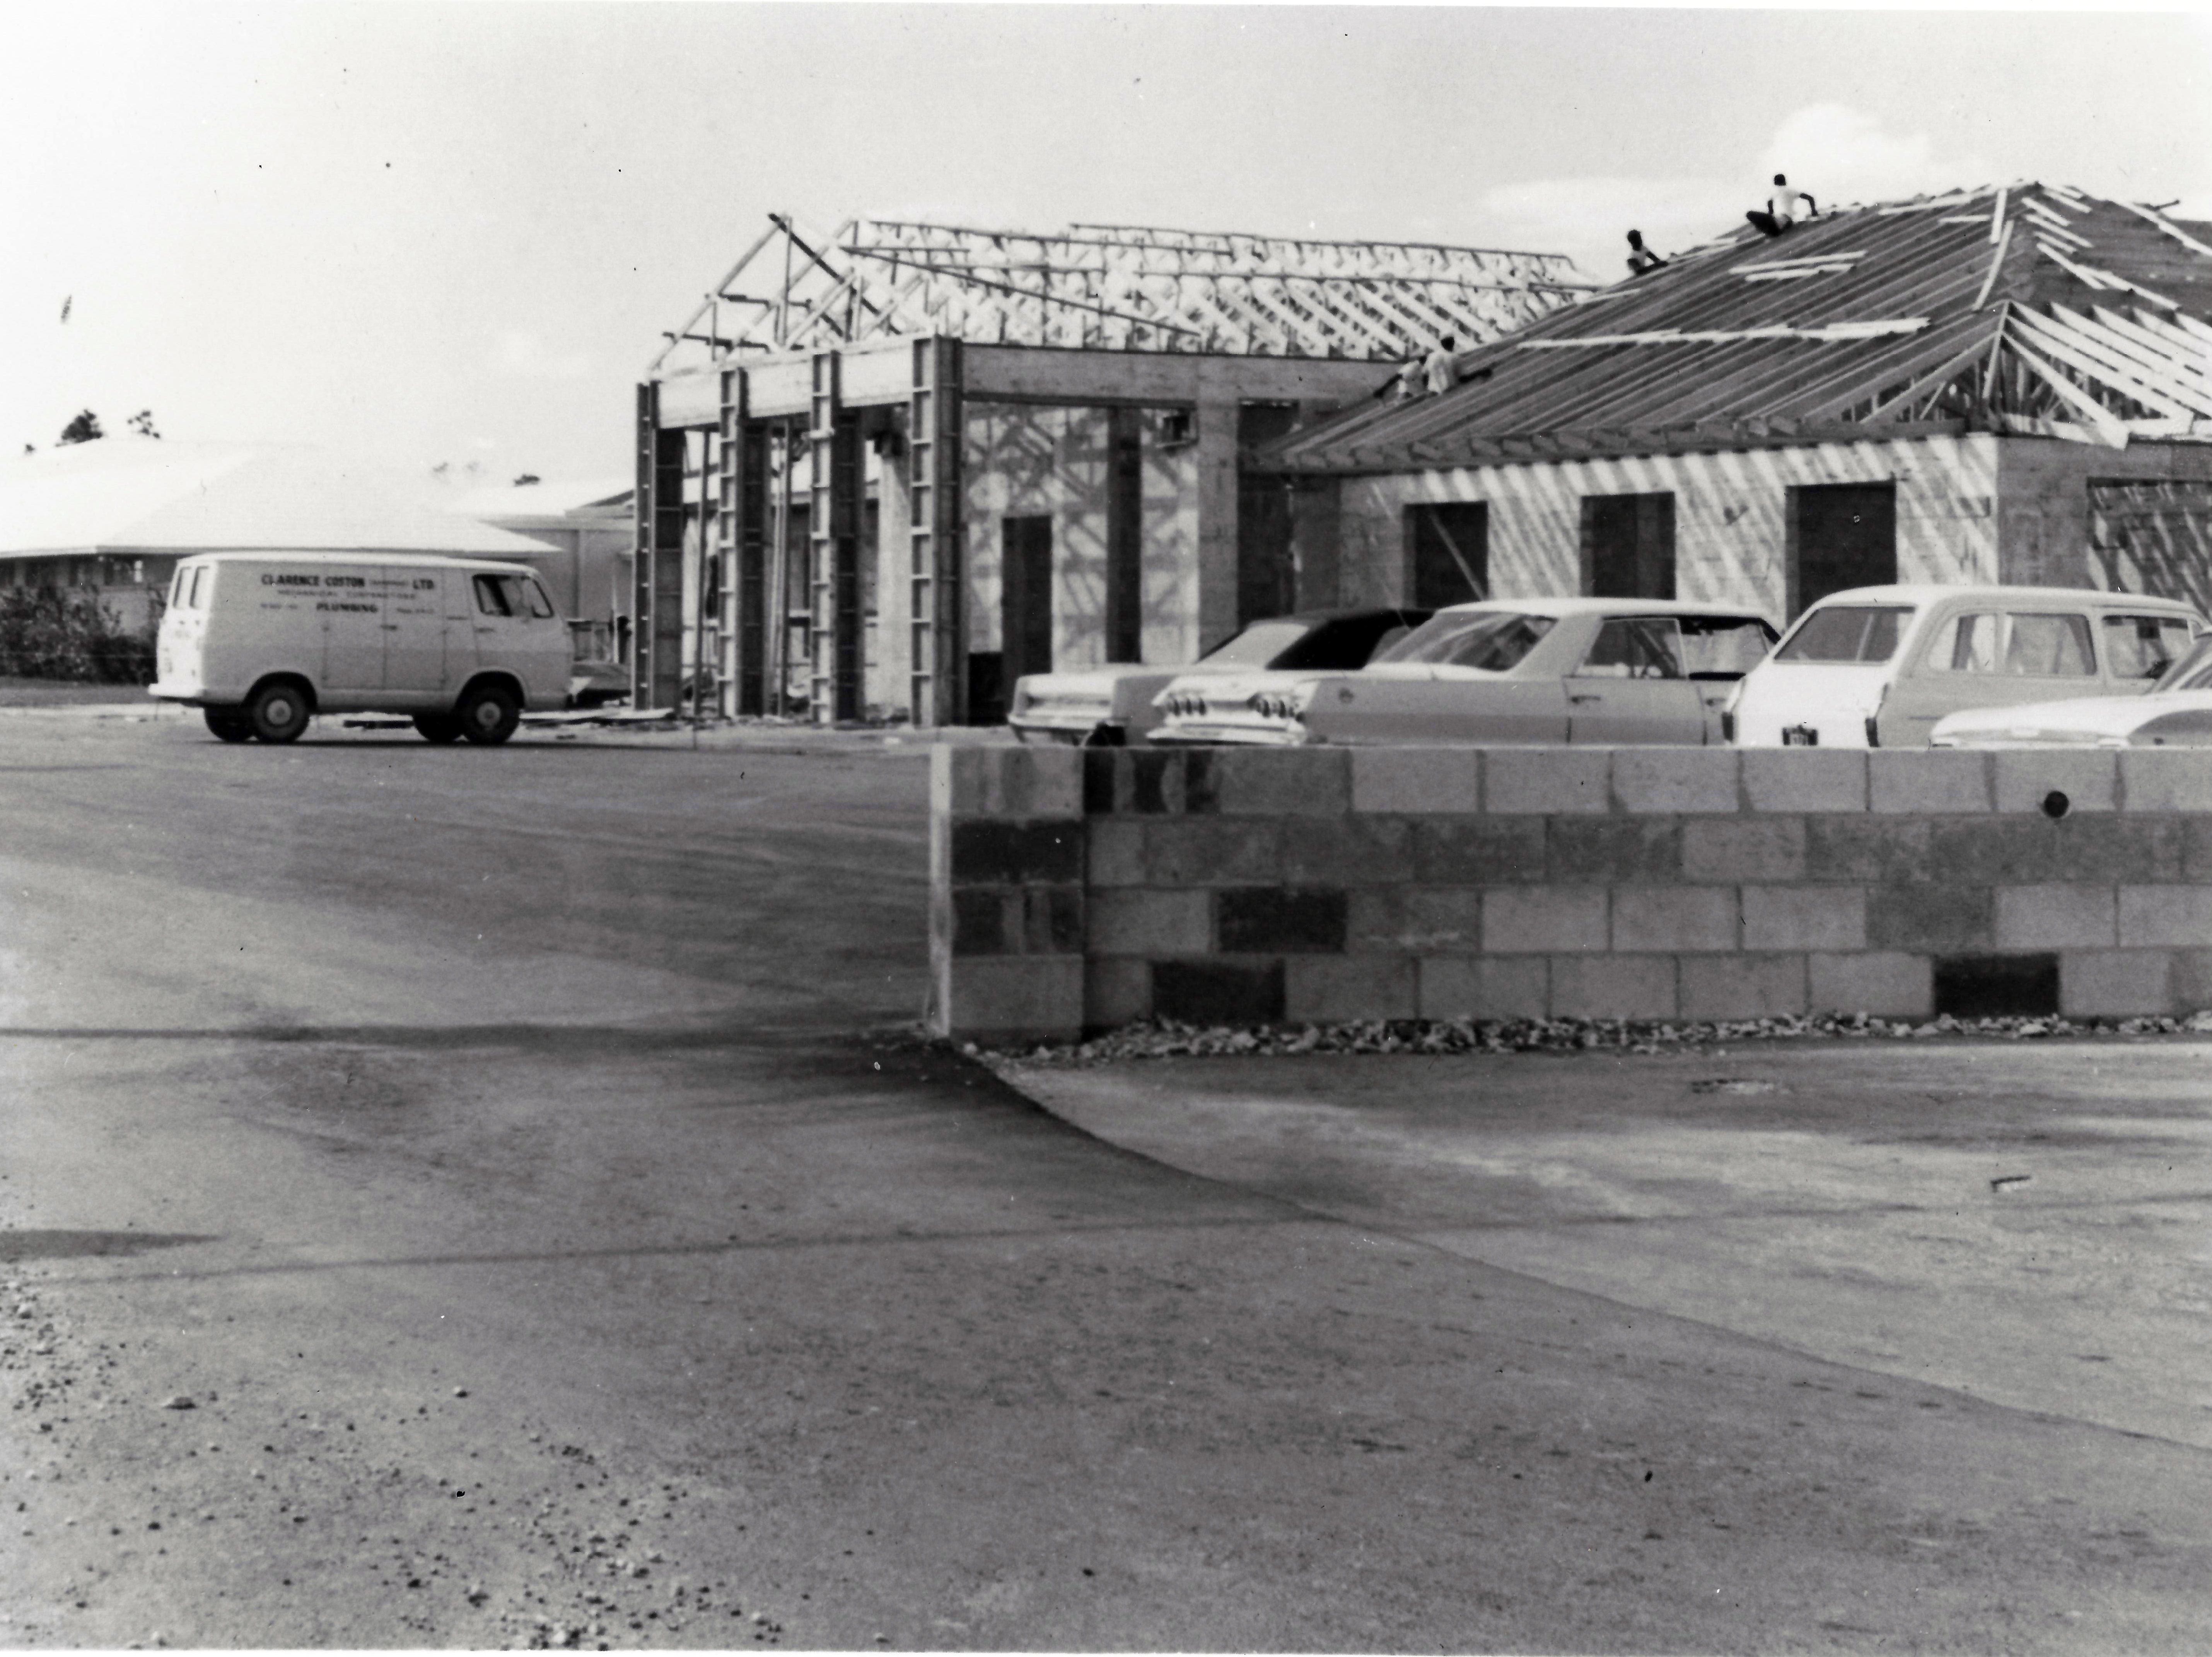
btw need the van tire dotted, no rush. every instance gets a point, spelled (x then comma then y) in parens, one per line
(279, 711)
(487, 713)
(440, 729)
(230, 724)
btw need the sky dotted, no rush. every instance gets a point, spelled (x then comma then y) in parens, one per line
(429, 234)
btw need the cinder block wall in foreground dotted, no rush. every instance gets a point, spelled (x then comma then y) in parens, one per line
(1075, 890)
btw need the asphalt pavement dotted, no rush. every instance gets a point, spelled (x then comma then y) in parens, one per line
(467, 1197)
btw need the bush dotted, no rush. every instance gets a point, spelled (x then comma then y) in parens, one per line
(67, 633)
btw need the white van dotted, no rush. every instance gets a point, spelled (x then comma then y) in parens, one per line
(1876, 667)
(265, 641)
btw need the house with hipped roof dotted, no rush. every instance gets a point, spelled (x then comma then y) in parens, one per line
(2001, 385)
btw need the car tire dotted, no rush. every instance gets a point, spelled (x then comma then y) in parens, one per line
(487, 715)
(280, 712)
(229, 724)
(440, 729)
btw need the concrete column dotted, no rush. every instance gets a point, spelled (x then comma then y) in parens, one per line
(889, 672)
(1216, 522)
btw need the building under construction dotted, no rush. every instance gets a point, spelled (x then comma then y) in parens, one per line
(884, 472)
(2002, 385)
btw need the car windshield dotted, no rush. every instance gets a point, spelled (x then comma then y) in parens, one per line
(2193, 671)
(1258, 645)
(1493, 640)
(1846, 632)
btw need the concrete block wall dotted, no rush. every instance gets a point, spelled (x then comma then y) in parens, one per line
(1079, 890)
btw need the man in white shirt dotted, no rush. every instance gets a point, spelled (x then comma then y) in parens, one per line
(1783, 208)
(1442, 367)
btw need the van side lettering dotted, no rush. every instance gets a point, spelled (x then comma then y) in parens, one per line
(293, 580)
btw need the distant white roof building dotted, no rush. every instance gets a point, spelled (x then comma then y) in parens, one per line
(145, 498)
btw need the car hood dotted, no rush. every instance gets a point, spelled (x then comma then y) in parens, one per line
(2088, 715)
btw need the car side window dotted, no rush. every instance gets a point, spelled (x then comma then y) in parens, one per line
(1634, 647)
(2041, 646)
(2143, 647)
(541, 607)
(493, 597)
(1967, 643)
(199, 582)
(1724, 646)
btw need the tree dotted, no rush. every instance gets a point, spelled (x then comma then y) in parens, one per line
(85, 428)
(142, 424)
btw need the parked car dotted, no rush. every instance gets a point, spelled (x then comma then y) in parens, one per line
(1512, 671)
(1112, 705)
(2175, 712)
(593, 683)
(1877, 667)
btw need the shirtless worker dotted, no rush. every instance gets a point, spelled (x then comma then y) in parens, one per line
(1782, 209)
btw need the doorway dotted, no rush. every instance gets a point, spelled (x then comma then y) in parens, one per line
(1025, 598)
(1840, 536)
(1628, 546)
(1448, 544)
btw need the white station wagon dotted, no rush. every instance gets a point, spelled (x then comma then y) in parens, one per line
(1504, 671)
(1877, 667)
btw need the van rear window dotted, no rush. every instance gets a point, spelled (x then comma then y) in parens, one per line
(1847, 632)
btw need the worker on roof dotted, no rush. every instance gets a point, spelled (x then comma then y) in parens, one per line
(1640, 258)
(1442, 367)
(1407, 386)
(1784, 207)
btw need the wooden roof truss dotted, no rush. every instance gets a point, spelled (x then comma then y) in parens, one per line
(1115, 288)
(2028, 308)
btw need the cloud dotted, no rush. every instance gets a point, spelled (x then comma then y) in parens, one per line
(526, 355)
(1842, 155)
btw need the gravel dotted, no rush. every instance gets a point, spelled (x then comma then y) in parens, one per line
(1166, 1038)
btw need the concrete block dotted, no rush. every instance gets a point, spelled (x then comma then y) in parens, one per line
(1544, 920)
(1052, 920)
(1012, 998)
(978, 920)
(1931, 781)
(2054, 917)
(2166, 779)
(1674, 780)
(1737, 849)
(1272, 920)
(1477, 850)
(2115, 982)
(1333, 990)
(1805, 779)
(1139, 921)
(1612, 987)
(2152, 917)
(1417, 780)
(1874, 850)
(1613, 851)
(2023, 778)
(2122, 849)
(2189, 983)
(1878, 984)
(1149, 781)
(1929, 918)
(1742, 986)
(2196, 847)
(1212, 851)
(1347, 850)
(1993, 850)
(1804, 917)
(1671, 920)
(1442, 920)
(996, 851)
(1485, 987)
(1113, 852)
(1014, 782)
(1117, 992)
(1219, 991)
(1268, 782)
(1547, 781)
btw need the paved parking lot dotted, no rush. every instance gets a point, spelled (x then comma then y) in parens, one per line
(514, 1160)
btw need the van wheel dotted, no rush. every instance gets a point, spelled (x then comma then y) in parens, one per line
(438, 727)
(489, 715)
(278, 712)
(229, 723)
